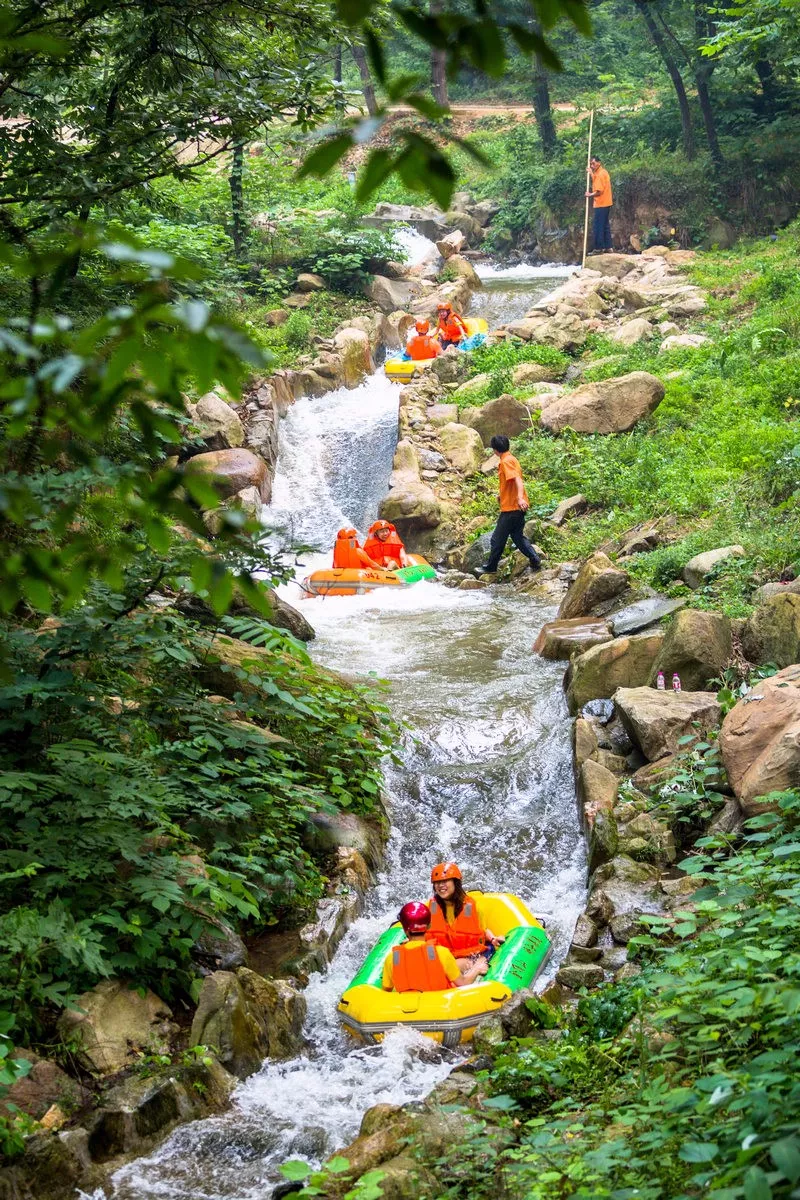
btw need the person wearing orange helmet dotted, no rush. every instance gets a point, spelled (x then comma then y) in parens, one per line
(458, 920)
(422, 346)
(417, 965)
(348, 555)
(384, 546)
(451, 328)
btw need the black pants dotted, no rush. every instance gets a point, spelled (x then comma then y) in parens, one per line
(602, 228)
(510, 525)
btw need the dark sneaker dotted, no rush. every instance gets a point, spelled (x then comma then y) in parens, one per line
(485, 570)
(536, 564)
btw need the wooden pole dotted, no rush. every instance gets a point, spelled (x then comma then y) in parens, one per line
(588, 176)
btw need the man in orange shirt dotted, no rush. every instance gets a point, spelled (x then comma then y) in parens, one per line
(513, 506)
(600, 191)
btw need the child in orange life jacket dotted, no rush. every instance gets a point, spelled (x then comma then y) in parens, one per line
(421, 966)
(422, 345)
(384, 546)
(458, 921)
(348, 555)
(451, 328)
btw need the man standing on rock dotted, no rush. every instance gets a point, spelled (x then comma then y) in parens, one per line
(600, 191)
(513, 506)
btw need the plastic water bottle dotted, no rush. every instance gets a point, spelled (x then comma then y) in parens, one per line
(660, 681)
(676, 682)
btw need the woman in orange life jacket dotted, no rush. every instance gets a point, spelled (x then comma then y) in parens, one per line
(457, 918)
(420, 966)
(422, 346)
(348, 555)
(384, 546)
(451, 328)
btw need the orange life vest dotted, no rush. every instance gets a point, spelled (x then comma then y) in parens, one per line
(383, 552)
(452, 328)
(423, 346)
(416, 968)
(347, 555)
(464, 936)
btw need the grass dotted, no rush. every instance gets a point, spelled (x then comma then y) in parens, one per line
(719, 460)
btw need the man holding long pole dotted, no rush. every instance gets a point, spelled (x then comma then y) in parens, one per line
(600, 192)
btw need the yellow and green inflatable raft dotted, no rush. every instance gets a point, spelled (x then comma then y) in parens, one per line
(402, 369)
(449, 1017)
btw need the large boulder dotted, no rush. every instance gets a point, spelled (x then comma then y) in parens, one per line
(760, 739)
(565, 330)
(657, 720)
(611, 406)
(632, 332)
(325, 833)
(772, 634)
(506, 415)
(411, 506)
(615, 265)
(697, 569)
(598, 580)
(466, 224)
(562, 639)
(44, 1085)
(461, 267)
(597, 788)
(465, 391)
(391, 294)
(572, 506)
(217, 422)
(309, 282)
(532, 372)
(683, 341)
(642, 613)
(286, 616)
(113, 1023)
(452, 243)
(462, 447)
(233, 470)
(622, 663)
(354, 348)
(245, 1018)
(697, 647)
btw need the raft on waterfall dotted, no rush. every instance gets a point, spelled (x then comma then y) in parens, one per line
(349, 581)
(404, 368)
(450, 1016)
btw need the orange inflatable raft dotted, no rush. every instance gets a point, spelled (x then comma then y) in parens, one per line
(351, 582)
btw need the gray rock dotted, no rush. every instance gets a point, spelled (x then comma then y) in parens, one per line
(115, 1023)
(643, 613)
(220, 949)
(580, 975)
(571, 507)
(699, 567)
(476, 553)
(585, 931)
(626, 925)
(657, 720)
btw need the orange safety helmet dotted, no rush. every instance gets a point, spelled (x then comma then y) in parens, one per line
(444, 304)
(343, 534)
(376, 525)
(443, 871)
(422, 326)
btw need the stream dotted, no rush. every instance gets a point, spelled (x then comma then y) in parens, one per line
(485, 779)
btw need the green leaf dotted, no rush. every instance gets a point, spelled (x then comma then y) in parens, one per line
(698, 1152)
(756, 1185)
(504, 1103)
(338, 1165)
(296, 1170)
(786, 1156)
(325, 156)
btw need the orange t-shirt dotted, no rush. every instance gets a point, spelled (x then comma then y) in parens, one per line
(508, 473)
(601, 183)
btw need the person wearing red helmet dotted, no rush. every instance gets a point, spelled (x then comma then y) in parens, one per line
(417, 965)
(458, 921)
(348, 555)
(422, 345)
(384, 546)
(451, 328)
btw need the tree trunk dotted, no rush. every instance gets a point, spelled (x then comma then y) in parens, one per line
(769, 90)
(438, 63)
(704, 27)
(337, 76)
(659, 42)
(542, 110)
(237, 198)
(360, 57)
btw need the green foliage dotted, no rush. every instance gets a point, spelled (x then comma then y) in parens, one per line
(12, 1124)
(682, 1082)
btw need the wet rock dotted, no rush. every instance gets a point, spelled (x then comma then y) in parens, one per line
(615, 763)
(220, 948)
(380, 1116)
(603, 839)
(772, 634)
(584, 742)
(573, 506)
(622, 663)
(115, 1024)
(353, 347)
(245, 1017)
(586, 932)
(583, 954)
(412, 506)
(697, 569)
(463, 267)
(489, 1035)
(597, 580)
(697, 646)
(657, 835)
(597, 788)
(625, 926)
(325, 832)
(561, 639)
(471, 585)
(627, 884)
(610, 406)
(657, 720)
(231, 471)
(452, 243)
(462, 447)
(506, 415)
(285, 616)
(599, 710)
(599, 907)
(760, 740)
(642, 614)
(580, 975)
(53, 1167)
(279, 1010)
(729, 820)
(432, 460)
(476, 553)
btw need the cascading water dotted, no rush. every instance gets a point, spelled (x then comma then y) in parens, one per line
(509, 292)
(485, 778)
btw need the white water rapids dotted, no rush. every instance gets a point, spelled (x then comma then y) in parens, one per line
(485, 778)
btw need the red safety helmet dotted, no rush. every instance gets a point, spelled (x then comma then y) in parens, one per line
(422, 326)
(415, 917)
(443, 871)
